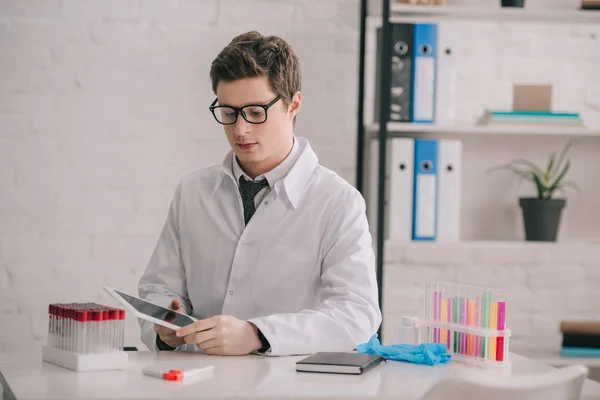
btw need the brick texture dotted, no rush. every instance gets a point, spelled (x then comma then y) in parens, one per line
(545, 283)
(103, 108)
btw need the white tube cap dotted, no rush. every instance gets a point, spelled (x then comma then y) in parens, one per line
(408, 321)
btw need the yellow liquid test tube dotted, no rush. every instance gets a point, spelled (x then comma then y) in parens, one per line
(493, 325)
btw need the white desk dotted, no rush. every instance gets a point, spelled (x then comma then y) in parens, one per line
(251, 377)
(551, 356)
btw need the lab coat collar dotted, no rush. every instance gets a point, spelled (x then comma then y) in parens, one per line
(294, 183)
(276, 174)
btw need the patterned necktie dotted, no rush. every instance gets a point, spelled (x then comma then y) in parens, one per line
(249, 190)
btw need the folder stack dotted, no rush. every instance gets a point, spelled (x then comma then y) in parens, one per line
(424, 77)
(532, 106)
(436, 2)
(531, 118)
(590, 4)
(580, 338)
(424, 190)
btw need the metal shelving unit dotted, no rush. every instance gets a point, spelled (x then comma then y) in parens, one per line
(368, 132)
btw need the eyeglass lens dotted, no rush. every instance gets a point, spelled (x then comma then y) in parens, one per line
(252, 114)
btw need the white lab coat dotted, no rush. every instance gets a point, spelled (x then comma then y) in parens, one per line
(302, 270)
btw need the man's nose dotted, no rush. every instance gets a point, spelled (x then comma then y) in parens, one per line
(241, 126)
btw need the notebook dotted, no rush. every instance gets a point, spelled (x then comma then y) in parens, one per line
(339, 363)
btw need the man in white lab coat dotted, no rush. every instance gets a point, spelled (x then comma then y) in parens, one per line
(269, 250)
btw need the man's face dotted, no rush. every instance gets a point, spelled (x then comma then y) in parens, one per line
(258, 145)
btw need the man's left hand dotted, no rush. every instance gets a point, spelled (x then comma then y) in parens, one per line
(222, 335)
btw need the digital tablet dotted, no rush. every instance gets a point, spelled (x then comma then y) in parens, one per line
(151, 312)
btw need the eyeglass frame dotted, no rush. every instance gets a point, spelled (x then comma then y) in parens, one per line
(238, 110)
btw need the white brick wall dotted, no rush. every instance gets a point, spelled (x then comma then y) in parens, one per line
(103, 107)
(545, 283)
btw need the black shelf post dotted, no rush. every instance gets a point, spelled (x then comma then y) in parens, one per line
(384, 112)
(385, 74)
(360, 139)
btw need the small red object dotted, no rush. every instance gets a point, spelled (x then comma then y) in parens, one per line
(173, 375)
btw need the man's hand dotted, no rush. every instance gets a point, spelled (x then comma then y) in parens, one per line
(222, 335)
(168, 335)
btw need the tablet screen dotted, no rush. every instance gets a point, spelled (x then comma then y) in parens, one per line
(152, 310)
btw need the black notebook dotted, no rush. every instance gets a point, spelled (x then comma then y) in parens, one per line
(589, 340)
(339, 363)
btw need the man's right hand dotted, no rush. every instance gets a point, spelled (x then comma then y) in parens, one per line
(168, 335)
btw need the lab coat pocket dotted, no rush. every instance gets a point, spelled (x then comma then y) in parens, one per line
(285, 279)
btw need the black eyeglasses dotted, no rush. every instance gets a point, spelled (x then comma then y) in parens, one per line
(253, 113)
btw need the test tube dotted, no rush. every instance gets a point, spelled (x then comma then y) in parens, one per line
(83, 319)
(478, 339)
(456, 317)
(96, 315)
(67, 320)
(465, 319)
(493, 324)
(500, 296)
(122, 330)
(444, 313)
(61, 328)
(50, 339)
(427, 312)
(114, 320)
(450, 294)
(469, 320)
(105, 329)
(436, 310)
(85, 327)
(484, 321)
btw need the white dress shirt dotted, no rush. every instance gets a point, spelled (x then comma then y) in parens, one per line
(273, 176)
(302, 270)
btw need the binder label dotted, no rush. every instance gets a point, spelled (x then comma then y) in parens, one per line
(424, 85)
(426, 198)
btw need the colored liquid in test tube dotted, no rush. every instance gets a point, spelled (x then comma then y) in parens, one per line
(462, 293)
(500, 296)
(450, 293)
(445, 313)
(428, 310)
(436, 310)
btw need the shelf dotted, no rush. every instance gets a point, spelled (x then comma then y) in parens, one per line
(474, 244)
(408, 12)
(552, 357)
(399, 129)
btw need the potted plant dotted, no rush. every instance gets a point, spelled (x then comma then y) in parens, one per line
(542, 214)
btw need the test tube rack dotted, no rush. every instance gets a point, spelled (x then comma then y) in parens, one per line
(470, 321)
(85, 337)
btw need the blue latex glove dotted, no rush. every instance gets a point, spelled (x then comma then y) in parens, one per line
(426, 353)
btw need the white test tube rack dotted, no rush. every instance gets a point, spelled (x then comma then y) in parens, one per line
(469, 344)
(470, 321)
(85, 362)
(85, 337)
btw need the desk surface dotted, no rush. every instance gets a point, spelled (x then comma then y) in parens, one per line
(255, 377)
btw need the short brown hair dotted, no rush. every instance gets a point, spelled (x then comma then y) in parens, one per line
(251, 55)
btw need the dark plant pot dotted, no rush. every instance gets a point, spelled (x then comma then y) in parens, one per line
(513, 3)
(541, 218)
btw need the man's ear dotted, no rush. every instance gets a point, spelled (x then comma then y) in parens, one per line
(295, 104)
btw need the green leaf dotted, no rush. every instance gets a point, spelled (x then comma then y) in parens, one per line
(541, 188)
(562, 156)
(549, 169)
(527, 175)
(563, 185)
(534, 168)
(560, 177)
